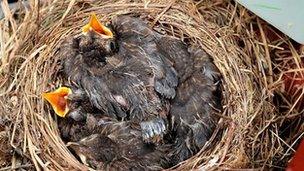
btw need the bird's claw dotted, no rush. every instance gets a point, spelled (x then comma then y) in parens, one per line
(153, 130)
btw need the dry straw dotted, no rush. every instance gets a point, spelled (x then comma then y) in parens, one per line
(248, 134)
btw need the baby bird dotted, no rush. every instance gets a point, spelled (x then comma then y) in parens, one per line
(107, 144)
(193, 112)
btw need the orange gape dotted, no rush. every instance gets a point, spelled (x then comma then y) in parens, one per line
(296, 163)
(95, 25)
(58, 100)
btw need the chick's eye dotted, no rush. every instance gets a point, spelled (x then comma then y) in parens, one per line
(112, 46)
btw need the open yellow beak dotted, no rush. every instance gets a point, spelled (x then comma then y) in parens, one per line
(96, 26)
(58, 100)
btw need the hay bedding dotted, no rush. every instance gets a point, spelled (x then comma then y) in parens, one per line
(249, 131)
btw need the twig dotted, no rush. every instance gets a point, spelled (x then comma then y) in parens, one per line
(38, 21)
(228, 141)
(16, 167)
(267, 53)
(163, 12)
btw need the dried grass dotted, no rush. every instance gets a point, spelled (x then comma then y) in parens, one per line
(250, 132)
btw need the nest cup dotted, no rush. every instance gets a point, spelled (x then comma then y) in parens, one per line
(245, 136)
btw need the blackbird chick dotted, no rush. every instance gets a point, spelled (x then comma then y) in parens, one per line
(198, 99)
(113, 145)
(122, 73)
(193, 110)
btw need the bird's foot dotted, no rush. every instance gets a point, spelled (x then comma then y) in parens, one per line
(153, 130)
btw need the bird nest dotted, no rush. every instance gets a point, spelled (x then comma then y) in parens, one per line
(249, 133)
